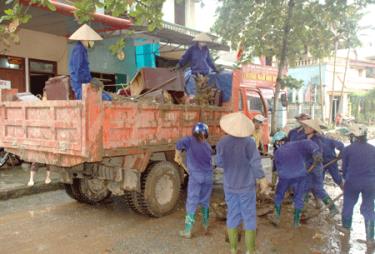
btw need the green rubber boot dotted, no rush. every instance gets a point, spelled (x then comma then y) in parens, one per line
(233, 239)
(250, 241)
(205, 218)
(369, 224)
(275, 217)
(189, 222)
(346, 225)
(331, 206)
(297, 218)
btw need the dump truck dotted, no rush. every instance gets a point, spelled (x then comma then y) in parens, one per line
(114, 148)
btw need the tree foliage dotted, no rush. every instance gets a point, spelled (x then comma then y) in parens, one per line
(290, 82)
(289, 29)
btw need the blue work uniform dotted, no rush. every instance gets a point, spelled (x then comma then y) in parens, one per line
(241, 161)
(315, 180)
(296, 134)
(290, 162)
(329, 154)
(80, 71)
(358, 165)
(199, 59)
(198, 159)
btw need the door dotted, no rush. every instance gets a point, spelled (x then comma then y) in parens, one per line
(40, 72)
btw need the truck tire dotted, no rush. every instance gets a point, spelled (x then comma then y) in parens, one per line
(161, 187)
(73, 190)
(133, 200)
(91, 191)
(69, 190)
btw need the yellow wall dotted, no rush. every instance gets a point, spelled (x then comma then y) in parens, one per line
(42, 46)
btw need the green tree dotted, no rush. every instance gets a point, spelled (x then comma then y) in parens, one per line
(288, 29)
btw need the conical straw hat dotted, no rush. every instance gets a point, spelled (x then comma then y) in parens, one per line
(313, 123)
(202, 37)
(237, 125)
(85, 33)
(357, 130)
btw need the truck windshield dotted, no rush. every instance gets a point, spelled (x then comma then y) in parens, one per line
(254, 102)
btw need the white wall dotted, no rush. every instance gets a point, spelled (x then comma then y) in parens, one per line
(41, 46)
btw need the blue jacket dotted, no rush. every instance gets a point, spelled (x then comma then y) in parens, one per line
(241, 161)
(79, 69)
(358, 162)
(296, 134)
(329, 146)
(198, 154)
(291, 158)
(199, 59)
(318, 139)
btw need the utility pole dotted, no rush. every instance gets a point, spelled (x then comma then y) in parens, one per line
(330, 120)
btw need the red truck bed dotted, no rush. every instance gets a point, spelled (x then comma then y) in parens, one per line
(68, 133)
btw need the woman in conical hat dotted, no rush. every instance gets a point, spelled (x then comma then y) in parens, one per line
(238, 155)
(79, 63)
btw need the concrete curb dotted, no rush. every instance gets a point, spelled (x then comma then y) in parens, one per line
(26, 190)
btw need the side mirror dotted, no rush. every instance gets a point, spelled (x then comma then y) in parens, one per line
(284, 100)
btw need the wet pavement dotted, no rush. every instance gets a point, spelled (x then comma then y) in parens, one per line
(53, 223)
(13, 182)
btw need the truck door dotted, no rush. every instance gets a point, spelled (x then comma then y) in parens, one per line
(256, 104)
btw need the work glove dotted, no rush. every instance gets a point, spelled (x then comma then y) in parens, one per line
(178, 157)
(264, 186)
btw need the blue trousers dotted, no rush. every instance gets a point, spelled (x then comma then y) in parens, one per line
(333, 170)
(315, 184)
(199, 190)
(298, 186)
(241, 208)
(352, 189)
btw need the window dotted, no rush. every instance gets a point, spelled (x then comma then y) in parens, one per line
(41, 66)
(254, 102)
(10, 62)
(370, 72)
(179, 12)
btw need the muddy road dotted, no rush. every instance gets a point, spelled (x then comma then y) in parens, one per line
(54, 223)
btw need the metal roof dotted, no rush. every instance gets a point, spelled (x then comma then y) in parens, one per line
(176, 34)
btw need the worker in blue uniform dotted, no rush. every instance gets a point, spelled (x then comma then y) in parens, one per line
(279, 138)
(290, 162)
(298, 132)
(315, 180)
(238, 155)
(329, 154)
(198, 158)
(358, 165)
(198, 57)
(79, 63)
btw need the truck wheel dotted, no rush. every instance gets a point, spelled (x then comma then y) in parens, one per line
(133, 200)
(161, 186)
(92, 191)
(73, 190)
(69, 190)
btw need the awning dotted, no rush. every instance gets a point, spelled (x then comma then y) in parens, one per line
(62, 23)
(180, 35)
